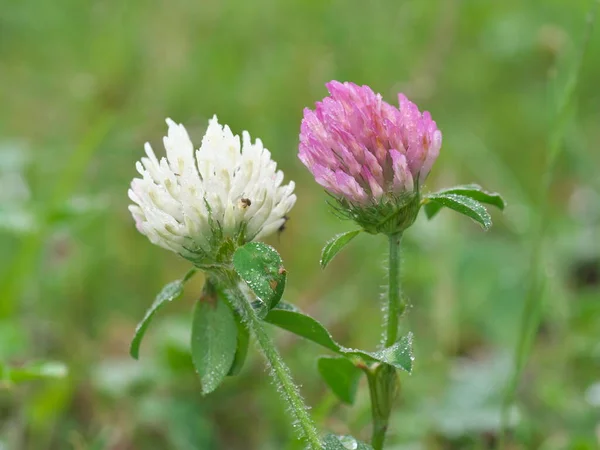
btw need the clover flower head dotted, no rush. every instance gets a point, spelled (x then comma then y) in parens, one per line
(200, 203)
(365, 152)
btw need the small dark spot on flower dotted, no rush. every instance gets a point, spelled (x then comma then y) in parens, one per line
(245, 202)
(282, 227)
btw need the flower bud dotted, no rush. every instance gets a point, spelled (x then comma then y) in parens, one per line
(371, 156)
(202, 204)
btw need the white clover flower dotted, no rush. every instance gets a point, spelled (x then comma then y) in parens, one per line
(194, 202)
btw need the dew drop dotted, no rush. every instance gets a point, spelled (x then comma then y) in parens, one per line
(349, 442)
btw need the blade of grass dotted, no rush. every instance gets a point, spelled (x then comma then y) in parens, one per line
(532, 310)
(66, 183)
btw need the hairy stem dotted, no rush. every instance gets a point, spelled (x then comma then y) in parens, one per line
(279, 371)
(382, 378)
(395, 305)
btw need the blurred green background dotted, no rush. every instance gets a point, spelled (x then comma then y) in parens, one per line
(84, 84)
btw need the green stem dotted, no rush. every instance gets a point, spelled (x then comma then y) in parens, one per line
(279, 371)
(395, 305)
(383, 388)
(379, 423)
(382, 378)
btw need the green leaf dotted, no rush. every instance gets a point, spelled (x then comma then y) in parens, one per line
(39, 370)
(214, 341)
(243, 335)
(398, 355)
(261, 267)
(289, 318)
(476, 192)
(473, 191)
(431, 209)
(459, 203)
(168, 293)
(341, 375)
(333, 442)
(243, 339)
(335, 244)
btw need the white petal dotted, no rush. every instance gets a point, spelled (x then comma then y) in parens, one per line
(228, 181)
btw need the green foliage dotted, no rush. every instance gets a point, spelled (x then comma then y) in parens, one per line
(335, 244)
(473, 191)
(214, 341)
(459, 203)
(341, 375)
(291, 319)
(261, 267)
(169, 292)
(398, 355)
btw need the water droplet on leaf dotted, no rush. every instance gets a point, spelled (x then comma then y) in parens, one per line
(349, 442)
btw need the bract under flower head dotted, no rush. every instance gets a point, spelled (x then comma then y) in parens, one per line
(371, 156)
(202, 204)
